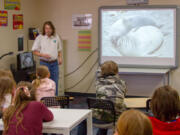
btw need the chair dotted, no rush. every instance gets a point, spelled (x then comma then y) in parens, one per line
(94, 103)
(148, 105)
(62, 101)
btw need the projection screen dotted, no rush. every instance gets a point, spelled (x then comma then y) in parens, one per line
(138, 36)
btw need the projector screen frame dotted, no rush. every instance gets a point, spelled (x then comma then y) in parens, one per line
(140, 7)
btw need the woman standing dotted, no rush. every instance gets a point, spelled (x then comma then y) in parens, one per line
(48, 47)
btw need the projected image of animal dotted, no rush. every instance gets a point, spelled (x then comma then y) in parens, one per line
(136, 36)
(138, 33)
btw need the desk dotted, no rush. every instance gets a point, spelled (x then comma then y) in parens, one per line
(135, 102)
(65, 120)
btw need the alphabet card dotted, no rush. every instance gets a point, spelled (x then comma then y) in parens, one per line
(3, 18)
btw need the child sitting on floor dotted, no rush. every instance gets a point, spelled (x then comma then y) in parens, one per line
(165, 106)
(44, 87)
(109, 86)
(133, 122)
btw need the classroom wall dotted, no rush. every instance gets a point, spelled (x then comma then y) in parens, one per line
(8, 36)
(60, 12)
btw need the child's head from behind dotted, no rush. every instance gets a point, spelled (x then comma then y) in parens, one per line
(133, 122)
(22, 98)
(42, 72)
(24, 83)
(109, 68)
(22, 95)
(7, 73)
(29, 86)
(6, 87)
(165, 103)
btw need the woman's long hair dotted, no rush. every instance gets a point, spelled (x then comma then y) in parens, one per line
(21, 100)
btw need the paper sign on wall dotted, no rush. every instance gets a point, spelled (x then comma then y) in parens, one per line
(84, 40)
(18, 21)
(12, 4)
(82, 21)
(3, 18)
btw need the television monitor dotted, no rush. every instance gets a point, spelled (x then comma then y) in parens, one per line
(25, 60)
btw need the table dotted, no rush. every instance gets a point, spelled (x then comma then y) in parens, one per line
(65, 120)
(135, 102)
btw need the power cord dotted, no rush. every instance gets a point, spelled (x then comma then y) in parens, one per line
(88, 88)
(68, 74)
(83, 77)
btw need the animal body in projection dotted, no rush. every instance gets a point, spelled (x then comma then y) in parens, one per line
(136, 36)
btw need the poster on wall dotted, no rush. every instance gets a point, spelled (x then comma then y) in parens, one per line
(84, 40)
(17, 21)
(82, 21)
(12, 4)
(3, 18)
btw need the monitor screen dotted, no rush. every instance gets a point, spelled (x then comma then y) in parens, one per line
(25, 60)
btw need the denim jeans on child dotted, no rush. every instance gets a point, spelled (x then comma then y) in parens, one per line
(54, 71)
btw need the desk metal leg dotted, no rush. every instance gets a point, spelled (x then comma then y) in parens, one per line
(89, 124)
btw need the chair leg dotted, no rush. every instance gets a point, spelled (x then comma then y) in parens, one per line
(102, 132)
(82, 128)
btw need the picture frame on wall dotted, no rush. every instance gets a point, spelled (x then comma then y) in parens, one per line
(82, 21)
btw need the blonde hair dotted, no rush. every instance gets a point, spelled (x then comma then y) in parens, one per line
(6, 73)
(6, 87)
(41, 73)
(25, 83)
(134, 122)
(109, 68)
(29, 86)
(21, 101)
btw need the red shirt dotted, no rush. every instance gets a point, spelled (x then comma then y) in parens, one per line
(34, 114)
(165, 128)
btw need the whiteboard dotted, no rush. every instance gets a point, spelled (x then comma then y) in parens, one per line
(142, 36)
